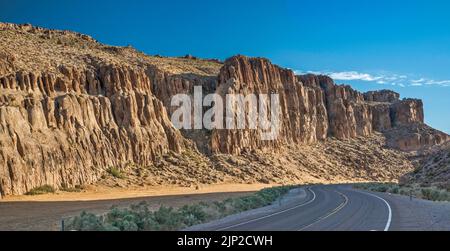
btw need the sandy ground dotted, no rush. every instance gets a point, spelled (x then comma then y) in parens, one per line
(44, 212)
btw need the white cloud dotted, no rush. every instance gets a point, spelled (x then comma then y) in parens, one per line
(298, 72)
(382, 78)
(418, 80)
(353, 75)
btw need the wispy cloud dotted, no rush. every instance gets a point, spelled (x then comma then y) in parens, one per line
(353, 75)
(381, 78)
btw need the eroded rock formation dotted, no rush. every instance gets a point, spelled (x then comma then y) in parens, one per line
(314, 108)
(68, 130)
(303, 111)
(71, 108)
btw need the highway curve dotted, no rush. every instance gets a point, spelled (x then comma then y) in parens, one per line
(329, 208)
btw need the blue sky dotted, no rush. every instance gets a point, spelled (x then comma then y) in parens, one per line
(399, 45)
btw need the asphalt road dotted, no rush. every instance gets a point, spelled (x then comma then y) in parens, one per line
(324, 208)
(332, 208)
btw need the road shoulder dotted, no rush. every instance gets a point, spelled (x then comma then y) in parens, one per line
(417, 214)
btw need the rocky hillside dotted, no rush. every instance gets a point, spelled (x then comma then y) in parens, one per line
(433, 167)
(72, 108)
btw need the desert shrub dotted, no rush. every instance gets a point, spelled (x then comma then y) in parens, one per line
(444, 186)
(168, 219)
(45, 189)
(382, 188)
(89, 222)
(115, 172)
(403, 191)
(260, 199)
(394, 190)
(193, 214)
(435, 194)
(139, 218)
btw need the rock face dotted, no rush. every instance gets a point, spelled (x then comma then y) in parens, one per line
(303, 111)
(382, 96)
(312, 107)
(60, 130)
(71, 108)
(414, 137)
(407, 112)
(66, 123)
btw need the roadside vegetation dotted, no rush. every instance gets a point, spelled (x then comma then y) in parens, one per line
(140, 218)
(426, 192)
(45, 189)
(76, 189)
(115, 172)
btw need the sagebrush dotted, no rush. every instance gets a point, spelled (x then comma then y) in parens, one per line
(139, 218)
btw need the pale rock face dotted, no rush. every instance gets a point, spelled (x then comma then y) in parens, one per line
(76, 108)
(68, 131)
(303, 112)
(407, 111)
(381, 117)
(314, 107)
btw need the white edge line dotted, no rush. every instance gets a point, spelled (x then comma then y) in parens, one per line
(273, 214)
(388, 224)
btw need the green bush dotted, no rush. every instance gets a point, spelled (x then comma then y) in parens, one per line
(45, 189)
(89, 222)
(139, 218)
(115, 172)
(193, 214)
(394, 190)
(435, 194)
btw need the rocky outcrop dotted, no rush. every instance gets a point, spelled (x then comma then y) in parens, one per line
(67, 130)
(387, 96)
(432, 167)
(381, 117)
(71, 108)
(314, 107)
(414, 137)
(303, 111)
(407, 112)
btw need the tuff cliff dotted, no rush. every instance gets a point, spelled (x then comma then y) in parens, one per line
(314, 108)
(71, 108)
